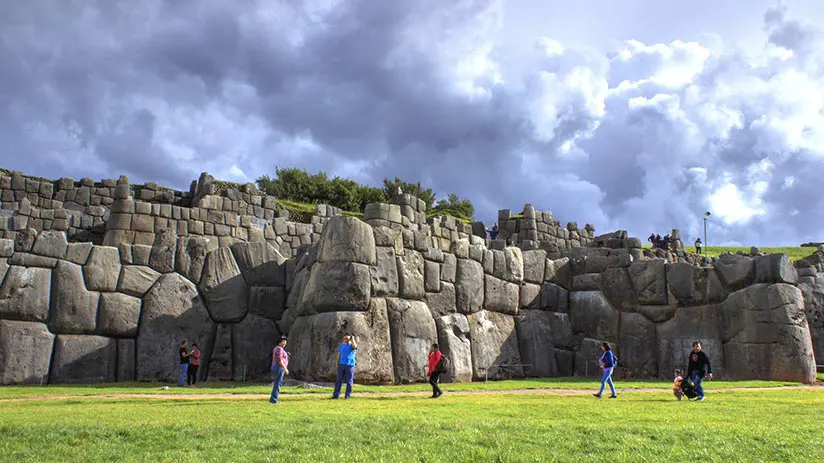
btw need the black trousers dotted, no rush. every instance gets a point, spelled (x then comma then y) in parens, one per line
(433, 380)
(192, 375)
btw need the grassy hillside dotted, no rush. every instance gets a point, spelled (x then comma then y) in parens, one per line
(794, 252)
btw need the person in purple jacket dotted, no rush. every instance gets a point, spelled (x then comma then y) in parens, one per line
(608, 361)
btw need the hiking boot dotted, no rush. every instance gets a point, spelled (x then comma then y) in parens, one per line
(613, 397)
(597, 396)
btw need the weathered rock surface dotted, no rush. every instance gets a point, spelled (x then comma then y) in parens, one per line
(267, 301)
(162, 256)
(814, 307)
(590, 313)
(638, 345)
(24, 294)
(650, 281)
(126, 353)
(675, 338)
(336, 286)
(766, 335)
(534, 266)
(347, 239)
(453, 337)
(220, 360)
(412, 331)
(775, 268)
(443, 302)
(410, 275)
(84, 359)
(469, 286)
(260, 263)
(384, 274)
(50, 244)
(118, 315)
(191, 255)
(535, 340)
(253, 340)
(735, 271)
(172, 311)
(500, 296)
(223, 287)
(136, 280)
(73, 308)
(25, 352)
(102, 269)
(495, 353)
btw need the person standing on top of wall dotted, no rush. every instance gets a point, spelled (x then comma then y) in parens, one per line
(607, 361)
(493, 234)
(698, 368)
(184, 363)
(194, 355)
(698, 245)
(280, 367)
(346, 366)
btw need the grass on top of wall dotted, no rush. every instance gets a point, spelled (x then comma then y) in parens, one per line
(794, 252)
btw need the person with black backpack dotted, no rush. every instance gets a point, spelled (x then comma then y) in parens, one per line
(438, 363)
(698, 368)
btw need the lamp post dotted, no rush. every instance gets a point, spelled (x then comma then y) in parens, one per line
(706, 214)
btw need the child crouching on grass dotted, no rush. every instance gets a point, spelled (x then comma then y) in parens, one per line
(676, 385)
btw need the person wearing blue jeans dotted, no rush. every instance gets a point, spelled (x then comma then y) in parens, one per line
(698, 367)
(280, 367)
(184, 363)
(346, 366)
(607, 361)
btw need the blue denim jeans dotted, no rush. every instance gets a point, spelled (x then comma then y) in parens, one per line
(699, 389)
(346, 373)
(606, 378)
(277, 375)
(184, 370)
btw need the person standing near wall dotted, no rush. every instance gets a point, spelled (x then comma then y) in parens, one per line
(607, 361)
(280, 367)
(346, 366)
(194, 365)
(184, 363)
(698, 368)
(435, 370)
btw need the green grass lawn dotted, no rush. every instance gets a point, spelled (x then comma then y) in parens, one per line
(794, 252)
(641, 427)
(219, 387)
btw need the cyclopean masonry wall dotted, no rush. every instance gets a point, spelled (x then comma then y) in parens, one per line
(73, 311)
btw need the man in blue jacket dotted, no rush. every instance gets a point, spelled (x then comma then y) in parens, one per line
(346, 366)
(698, 368)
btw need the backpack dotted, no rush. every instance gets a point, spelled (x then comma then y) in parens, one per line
(443, 365)
(688, 388)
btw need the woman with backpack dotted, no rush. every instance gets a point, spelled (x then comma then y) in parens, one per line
(437, 365)
(607, 361)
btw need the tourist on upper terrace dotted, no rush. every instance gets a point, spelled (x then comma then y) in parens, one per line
(346, 366)
(493, 234)
(607, 361)
(652, 239)
(280, 367)
(184, 363)
(698, 245)
(698, 368)
(194, 364)
(437, 365)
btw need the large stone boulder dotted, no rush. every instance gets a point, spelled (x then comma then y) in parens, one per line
(534, 266)
(260, 263)
(766, 336)
(453, 337)
(495, 352)
(735, 271)
(73, 308)
(347, 239)
(616, 285)
(51, 243)
(535, 340)
(126, 353)
(84, 359)
(469, 286)
(814, 306)
(267, 301)
(592, 316)
(412, 332)
(162, 255)
(191, 255)
(559, 272)
(638, 346)
(336, 286)
(118, 315)
(775, 268)
(24, 294)
(562, 335)
(102, 269)
(587, 357)
(500, 296)
(650, 281)
(25, 352)
(172, 311)
(675, 338)
(253, 340)
(220, 360)
(384, 274)
(513, 265)
(314, 342)
(223, 287)
(554, 298)
(443, 302)
(136, 280)
(410, 275)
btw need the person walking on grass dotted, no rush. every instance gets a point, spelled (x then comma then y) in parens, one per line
(698, 368)
(280, 367)
(436, 367)
(346, 366)
(194, 364)
(184, 363)
(607, 361)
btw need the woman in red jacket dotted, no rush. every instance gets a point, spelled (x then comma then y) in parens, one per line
(434, 371)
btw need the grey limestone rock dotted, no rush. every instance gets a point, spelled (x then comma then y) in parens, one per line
(500, 296)
(384, 274)
(223, 287)
(638, 346)
(84, 359)
(102, 269)
(253, 340)
(136, 280)
(73, 307)
(267, 301)
(50, 244)
(25, 293)
(410, 275)
(25, 352)
(495, 352)
(469, 286)
(412, 330)
(649, 280)
(260, 263)
(191, 256)
(535, 339)
(162, 255)
(336, 286)
(118, 315)
(347, 239)
(591, 314)
(453, 338)
(443, 302)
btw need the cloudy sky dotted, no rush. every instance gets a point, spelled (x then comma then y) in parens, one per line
(636, 116)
